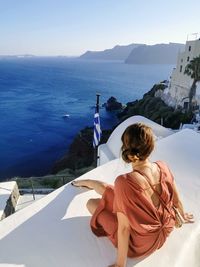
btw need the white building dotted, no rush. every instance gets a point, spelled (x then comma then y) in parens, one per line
(178, 91)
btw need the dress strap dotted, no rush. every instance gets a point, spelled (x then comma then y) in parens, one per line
(148, 180)
(156, 192)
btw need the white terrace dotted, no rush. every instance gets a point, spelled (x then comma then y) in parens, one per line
(55, 231)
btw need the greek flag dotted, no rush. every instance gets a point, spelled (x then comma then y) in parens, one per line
(97, 129)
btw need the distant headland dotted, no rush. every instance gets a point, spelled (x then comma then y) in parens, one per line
(138, 53)
(130, 54)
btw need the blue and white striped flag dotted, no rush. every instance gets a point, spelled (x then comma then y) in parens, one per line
(97, 129)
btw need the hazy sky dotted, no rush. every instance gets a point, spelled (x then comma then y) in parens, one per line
(70, 27)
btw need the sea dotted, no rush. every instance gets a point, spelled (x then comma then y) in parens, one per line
(36, 93)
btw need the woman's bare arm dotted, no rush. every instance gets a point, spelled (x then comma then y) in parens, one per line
(123, 235)
(178, 204)
(177, 201)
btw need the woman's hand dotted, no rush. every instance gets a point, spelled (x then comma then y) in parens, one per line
(188, 218)
(114, 265)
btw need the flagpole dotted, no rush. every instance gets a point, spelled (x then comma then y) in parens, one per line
(97, 104)
(96, 157)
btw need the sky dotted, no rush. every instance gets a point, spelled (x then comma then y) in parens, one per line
(71, 27)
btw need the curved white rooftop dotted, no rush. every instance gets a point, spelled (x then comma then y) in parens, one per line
(55, 231)
(111, 149)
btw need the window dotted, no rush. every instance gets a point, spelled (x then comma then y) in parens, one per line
(188, 59)
(186, 105)
(181, 67)
(189, 48)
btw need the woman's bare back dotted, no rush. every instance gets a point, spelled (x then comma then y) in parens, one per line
(149, 174)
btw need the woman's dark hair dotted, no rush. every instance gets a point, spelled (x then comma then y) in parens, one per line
(137, 141)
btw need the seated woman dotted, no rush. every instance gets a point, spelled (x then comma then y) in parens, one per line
(137, 213)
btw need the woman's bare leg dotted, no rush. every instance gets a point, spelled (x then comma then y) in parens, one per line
(98, 186)
(92, 204)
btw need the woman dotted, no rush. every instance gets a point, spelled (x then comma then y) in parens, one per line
(136, 214)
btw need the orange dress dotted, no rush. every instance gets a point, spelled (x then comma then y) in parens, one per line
(150, 225)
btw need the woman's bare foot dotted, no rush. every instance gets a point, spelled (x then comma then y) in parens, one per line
(81, 183)
(98, 186)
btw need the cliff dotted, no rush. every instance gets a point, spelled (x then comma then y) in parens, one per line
(112, 104)
(155, 109)
(155, 54)
(116, 53)
(81, 151)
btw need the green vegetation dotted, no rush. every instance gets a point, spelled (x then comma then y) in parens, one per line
(156, 110)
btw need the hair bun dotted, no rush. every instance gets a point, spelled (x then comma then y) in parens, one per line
(136, 157)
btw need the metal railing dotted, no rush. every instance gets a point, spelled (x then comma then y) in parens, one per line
(41, 184)
(35, 185)
(48, 183)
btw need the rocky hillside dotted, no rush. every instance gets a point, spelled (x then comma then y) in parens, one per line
(155, 109)
(81, 152)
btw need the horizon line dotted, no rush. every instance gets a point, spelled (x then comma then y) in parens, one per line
(78, 55)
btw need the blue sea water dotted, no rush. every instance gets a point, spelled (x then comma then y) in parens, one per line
(35, 93)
